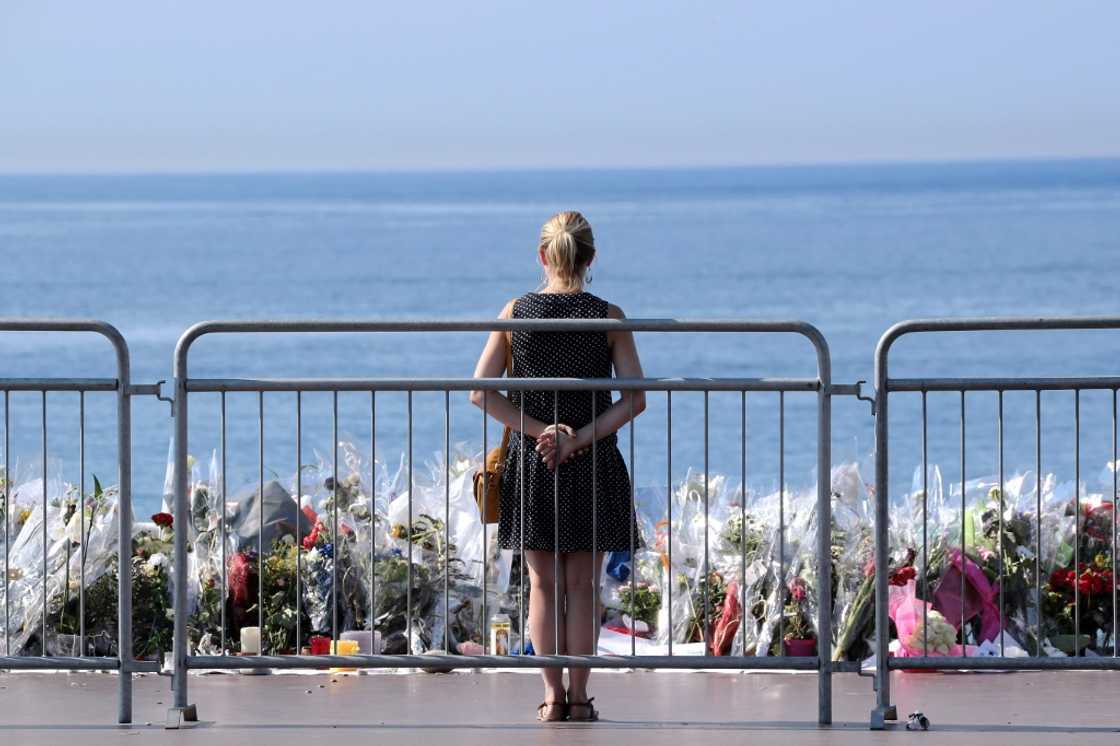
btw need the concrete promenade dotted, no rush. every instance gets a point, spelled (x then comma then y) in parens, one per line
(641, 708)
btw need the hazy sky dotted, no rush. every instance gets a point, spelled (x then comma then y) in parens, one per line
(358, 84)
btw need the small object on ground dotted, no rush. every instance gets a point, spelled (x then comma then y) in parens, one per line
(309, 691)
(917, 721)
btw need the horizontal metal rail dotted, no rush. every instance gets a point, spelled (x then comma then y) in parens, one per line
(885, 386)
(123, 662)
(185, 385)
(1003, 384)
(58, 384)
(73, 663)
(680, 662)
(255, 385)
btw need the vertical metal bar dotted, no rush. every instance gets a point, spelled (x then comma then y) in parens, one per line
(707, 564)
(521, 528)
(179, 681)
(1077, 520)
(882, 519)
(408, 591)
(555, 529)
(260, 522)
(595, 619)
(669, 505)
(632, 520)
(334, 520)
(1114, 599)
(299, 518)
(485, 535)
(743, 520)
(82, 522)
(999, 545)
(925, 524)
(222, 523)
(7, 526)
(373, 515)
(124, 538)
(781, 519)
(44, 455)
(824, 535)
(964, 520)
(446, 521)
(1038, 518)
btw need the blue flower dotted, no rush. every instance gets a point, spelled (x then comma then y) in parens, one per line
(327, 550)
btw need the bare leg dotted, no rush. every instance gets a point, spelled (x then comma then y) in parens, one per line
(579, 584)
(542, 608)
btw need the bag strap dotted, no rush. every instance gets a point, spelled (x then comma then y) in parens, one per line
(509, 374)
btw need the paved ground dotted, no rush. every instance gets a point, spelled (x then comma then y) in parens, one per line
(646, 708)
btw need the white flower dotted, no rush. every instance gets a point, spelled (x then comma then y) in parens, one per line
(159, 559)
(288, 540)
(313, 556)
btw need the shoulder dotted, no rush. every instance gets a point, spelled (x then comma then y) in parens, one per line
(614, 312)
(507, 309)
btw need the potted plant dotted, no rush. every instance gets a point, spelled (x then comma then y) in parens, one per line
(798, 639)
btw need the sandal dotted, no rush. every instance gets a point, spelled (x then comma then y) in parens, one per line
(589, 714)
(551, 712)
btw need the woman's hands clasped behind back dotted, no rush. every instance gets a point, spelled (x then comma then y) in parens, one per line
(558, 443)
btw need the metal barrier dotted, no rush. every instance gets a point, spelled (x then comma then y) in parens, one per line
(885, 385)
(185, 385)
(123, 662)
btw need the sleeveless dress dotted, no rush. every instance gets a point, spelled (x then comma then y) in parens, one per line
(564, 355)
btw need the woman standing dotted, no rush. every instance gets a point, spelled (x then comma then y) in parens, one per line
(566, 251)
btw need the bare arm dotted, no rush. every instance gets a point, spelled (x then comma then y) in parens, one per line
(492, 364)
(624, 357)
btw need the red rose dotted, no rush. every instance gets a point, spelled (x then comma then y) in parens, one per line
(903, 575)
(1058, 579)
(163, 520)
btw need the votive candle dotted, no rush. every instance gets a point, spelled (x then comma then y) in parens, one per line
(251, 640)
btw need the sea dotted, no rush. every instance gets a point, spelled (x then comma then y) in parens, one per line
(851, 249)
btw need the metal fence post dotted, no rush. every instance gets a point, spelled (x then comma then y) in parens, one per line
(885, 385)
(181, 710)
(883, 710)
(820, 384)
(124, 531)
(123, 662)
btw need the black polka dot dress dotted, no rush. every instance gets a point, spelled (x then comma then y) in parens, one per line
(564, 355)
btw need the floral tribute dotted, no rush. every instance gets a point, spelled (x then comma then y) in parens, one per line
(713, 571)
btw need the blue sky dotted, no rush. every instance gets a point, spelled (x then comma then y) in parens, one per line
(156, 85)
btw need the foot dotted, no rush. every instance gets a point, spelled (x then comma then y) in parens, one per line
(583, 712)
(551, 712)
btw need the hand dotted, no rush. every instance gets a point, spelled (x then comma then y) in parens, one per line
(556, 444)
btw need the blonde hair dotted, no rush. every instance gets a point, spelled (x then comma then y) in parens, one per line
(568, 246)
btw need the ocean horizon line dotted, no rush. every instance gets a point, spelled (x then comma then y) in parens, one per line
(669, 168)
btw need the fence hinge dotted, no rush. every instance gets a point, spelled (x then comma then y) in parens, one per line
(152, 389)
(852, 389)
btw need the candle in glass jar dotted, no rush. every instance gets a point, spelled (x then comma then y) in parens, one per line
(363, 637)
(251, 640)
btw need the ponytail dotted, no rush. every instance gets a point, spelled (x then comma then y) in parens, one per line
(568, 246)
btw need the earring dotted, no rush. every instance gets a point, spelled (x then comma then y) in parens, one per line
(589, 278)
